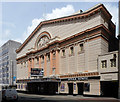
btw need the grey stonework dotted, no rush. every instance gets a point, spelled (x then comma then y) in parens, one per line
(8, 62)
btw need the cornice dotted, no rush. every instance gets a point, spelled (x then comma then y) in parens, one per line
(69, 38)
(65, 19)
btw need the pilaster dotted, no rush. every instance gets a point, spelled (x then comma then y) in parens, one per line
(32, 62)
(57, 62)
(51, 62)
(39, 62)
(45, 65)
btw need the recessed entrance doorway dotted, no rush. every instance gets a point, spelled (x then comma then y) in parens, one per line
(80, 88)
(70, 86)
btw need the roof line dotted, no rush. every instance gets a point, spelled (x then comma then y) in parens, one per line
(78, 34)
(66, 18)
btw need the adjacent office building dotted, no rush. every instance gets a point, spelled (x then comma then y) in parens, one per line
(8, 62)
(76, 54)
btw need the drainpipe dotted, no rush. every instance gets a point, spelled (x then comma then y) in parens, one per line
(119, 56)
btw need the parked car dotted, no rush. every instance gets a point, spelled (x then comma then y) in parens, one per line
(9, 94)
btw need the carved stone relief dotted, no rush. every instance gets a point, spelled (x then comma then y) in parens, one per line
(43, 41)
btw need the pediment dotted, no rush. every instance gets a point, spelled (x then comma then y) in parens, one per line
(42, 40)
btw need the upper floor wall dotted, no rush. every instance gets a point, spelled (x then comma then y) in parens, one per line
(108, 66)
(70, 25)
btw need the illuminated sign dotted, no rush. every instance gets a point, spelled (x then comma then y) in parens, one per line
(36, 72)
(80, 78)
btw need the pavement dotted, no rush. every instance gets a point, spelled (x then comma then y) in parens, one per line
(62, 98)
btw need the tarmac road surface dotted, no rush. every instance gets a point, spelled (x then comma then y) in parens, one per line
(61, 98)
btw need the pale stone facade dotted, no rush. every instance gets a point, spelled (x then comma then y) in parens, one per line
(68, 48)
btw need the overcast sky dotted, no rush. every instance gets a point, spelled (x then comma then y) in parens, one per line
(19, 19)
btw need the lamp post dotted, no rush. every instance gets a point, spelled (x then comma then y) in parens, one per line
(119, 55)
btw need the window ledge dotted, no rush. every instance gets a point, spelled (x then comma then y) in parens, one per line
(71, 55)
(42, 62)
(63, 56)
(80, 52)
(48, 60)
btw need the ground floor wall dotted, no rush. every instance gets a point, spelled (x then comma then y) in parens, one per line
(89, 87)
(43, 87)
(21, 86)
(83, 87)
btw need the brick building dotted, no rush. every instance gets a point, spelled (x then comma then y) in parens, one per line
(72, 52)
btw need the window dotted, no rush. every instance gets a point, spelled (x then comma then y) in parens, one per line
(53, 70)
(30, 63)
(37, 60)
(7, 62)
(104, 64)
(81, 47)
(62, 87)
(113, 62)
(87, 87)
(42, 59)
(71, 50)
(7, 75)
(7, 81)
(21, 86)
(21, 65)
(7, 69)
(24, 64)
(63, 52)
(18, 86)
(48, 57)
(54, 53)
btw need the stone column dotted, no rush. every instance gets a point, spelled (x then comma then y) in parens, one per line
(45, 65)
(29, 69)
(39, 62)
(57, 62)
(51, 62)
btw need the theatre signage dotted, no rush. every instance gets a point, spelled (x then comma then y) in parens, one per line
(36, 72)
(80, 78)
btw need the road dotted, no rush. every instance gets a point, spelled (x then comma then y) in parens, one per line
(61, 98)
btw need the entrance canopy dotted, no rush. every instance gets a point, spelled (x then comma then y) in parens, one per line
(39, 80)
(46, 80)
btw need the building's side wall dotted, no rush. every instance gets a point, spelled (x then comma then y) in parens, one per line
(36, 63)
(22, 71)
(85, 61)
(92, 50)
(63, 66)
(94, 87)
(66, 88)
(104, 46)
(8, 62)
(109, 73)
(48, 68)
(12, 61)
(22, 87)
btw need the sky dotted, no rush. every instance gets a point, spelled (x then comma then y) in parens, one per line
(19, 19)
